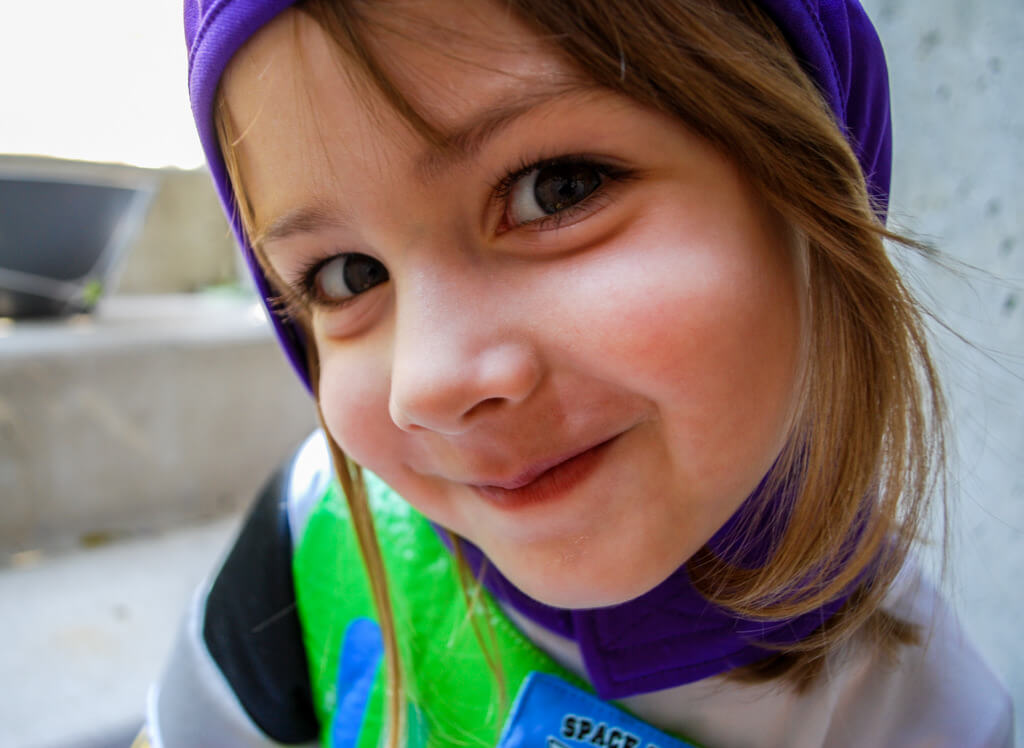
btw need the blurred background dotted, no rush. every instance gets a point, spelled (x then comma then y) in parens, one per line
(143, 400)
(137, 423)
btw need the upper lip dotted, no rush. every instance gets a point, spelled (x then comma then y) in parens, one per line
(535, 470)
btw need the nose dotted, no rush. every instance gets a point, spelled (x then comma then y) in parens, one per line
(457, 360)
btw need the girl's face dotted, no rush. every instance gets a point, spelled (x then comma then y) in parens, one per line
(571, 336)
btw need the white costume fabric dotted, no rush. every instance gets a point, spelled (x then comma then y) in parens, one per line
(939, 694)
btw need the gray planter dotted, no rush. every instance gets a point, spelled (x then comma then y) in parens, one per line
(64, 227)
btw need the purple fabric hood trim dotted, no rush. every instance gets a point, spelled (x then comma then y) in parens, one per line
(214, 31)
(667, 637)
(833, 39)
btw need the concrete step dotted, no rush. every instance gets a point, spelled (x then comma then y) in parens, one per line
(152, 412)
(86, 633)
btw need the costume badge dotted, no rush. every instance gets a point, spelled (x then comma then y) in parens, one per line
(550, 713)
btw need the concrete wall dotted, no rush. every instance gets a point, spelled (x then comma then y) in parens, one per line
(185, 243)
(956, 68)
(150, 413)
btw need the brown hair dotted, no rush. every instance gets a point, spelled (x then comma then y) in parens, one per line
(865, 455)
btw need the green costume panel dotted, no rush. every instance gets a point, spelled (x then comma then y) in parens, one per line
(455, 698)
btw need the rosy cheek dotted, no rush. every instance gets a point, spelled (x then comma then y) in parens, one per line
(711, 325)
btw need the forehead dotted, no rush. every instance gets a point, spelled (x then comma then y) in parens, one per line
(298, 101)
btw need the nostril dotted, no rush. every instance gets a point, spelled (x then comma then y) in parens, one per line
(401, 418)
(443, 418)
(485, 406)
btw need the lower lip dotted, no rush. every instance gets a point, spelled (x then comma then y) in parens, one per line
(550, 485)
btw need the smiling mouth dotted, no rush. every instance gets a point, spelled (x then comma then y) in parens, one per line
(545, 482)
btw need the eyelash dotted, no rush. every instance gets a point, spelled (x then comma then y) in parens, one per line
(296, 299)
(501, 190)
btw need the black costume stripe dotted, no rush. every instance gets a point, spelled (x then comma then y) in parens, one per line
(251, 624)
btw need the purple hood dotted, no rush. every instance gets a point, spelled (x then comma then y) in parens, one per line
(833, 39)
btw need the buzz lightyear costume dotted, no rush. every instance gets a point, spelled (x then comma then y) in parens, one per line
(281, 646)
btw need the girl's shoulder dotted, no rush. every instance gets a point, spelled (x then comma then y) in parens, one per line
(237, 674)
(937, 692)
(238, 671)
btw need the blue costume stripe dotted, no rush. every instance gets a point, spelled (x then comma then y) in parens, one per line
(361, 654)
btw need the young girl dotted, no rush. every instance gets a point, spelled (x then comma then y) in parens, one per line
(633, 421)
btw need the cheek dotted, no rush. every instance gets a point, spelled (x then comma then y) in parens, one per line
(709, 327)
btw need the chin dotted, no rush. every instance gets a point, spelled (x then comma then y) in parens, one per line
(576, 588)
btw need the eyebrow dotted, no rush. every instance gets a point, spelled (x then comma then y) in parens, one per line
(458, 145)
(307, 219)
(464, 141)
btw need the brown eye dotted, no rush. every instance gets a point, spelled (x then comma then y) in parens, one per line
(348, 275)
(548, 190)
